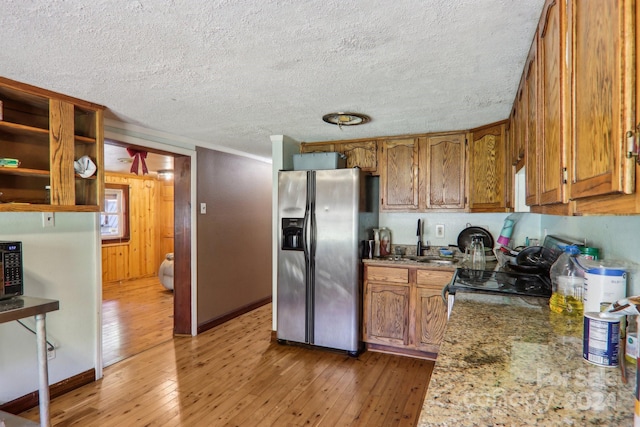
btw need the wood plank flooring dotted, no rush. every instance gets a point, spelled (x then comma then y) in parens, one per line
(235, 375)
(136, 315)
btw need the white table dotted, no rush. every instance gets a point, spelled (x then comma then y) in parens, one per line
(19, 308)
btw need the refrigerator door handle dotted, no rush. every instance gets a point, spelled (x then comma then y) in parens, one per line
(307, 224)
(305, 235)
(312, 214)
(309, 254)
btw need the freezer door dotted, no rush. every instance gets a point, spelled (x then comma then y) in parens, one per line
(291, 288)
(336, 293)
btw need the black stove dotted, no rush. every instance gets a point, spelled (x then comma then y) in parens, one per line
(500, 281)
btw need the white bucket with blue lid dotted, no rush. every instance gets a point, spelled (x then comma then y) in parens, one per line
(603, 285)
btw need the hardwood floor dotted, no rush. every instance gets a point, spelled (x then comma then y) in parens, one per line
(235, 375)
(136, 315)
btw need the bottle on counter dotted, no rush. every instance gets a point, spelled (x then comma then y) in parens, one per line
(376, 242)
(505, 233)
(385, 241)
(478, 260)
(567, 281)
(631, 347)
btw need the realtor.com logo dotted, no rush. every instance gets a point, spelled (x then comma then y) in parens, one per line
(581, 390)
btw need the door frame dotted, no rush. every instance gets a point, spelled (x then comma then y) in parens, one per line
(185, 279)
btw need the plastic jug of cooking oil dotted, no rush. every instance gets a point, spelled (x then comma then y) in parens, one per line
(567, 281)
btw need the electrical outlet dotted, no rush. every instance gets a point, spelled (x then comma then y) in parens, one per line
(440, 231)
(51, 353)
(48, 219)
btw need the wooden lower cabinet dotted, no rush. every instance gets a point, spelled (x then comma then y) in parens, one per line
(389, 313)
(430, 310)
(403, 310)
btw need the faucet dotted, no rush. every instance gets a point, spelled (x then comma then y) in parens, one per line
(421, 247)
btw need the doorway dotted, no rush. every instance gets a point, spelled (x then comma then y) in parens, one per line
(140, 313)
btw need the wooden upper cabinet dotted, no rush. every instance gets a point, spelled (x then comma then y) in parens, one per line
(317, 148)
(511, 167)
(399, 174)
(512, 128)
(363, 154)
(553, 95)
(487, 169)
(531, 141)
(520, 121)
(602, 82)
(442, 171)
(619, 203)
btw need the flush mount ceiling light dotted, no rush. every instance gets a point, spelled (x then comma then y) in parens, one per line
(346, 119)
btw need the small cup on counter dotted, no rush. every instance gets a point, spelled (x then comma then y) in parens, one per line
(399, 252)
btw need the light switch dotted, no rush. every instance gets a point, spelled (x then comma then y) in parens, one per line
(440, 231)
(203, 208)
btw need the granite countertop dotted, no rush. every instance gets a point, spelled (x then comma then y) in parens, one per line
(509, 361)
(385, 261)
(410, 260)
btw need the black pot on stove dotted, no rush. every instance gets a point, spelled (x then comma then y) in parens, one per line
(534, 260)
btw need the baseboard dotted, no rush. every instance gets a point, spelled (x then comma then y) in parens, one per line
(225, 318)
(31, 400)
(401, 352)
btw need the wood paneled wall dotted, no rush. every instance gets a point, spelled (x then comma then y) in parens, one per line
(165, 211)
(151, 229)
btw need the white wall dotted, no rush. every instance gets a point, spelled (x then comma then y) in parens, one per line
(618, 238)
(282, 148)
(62, 263)
(403, 226)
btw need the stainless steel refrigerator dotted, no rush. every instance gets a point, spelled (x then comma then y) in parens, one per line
(323, 217)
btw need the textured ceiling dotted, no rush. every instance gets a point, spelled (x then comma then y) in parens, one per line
(231, 72)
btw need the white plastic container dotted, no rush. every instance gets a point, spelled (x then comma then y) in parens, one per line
(601, 340)
(603, 284)
(631, 347)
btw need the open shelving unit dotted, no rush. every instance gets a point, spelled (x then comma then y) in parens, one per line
(46, 132)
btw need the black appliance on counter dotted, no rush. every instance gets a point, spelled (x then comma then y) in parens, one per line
(500, 281)
(11, 270)
(529, 277)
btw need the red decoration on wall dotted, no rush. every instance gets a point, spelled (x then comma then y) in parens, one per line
(138, 158)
